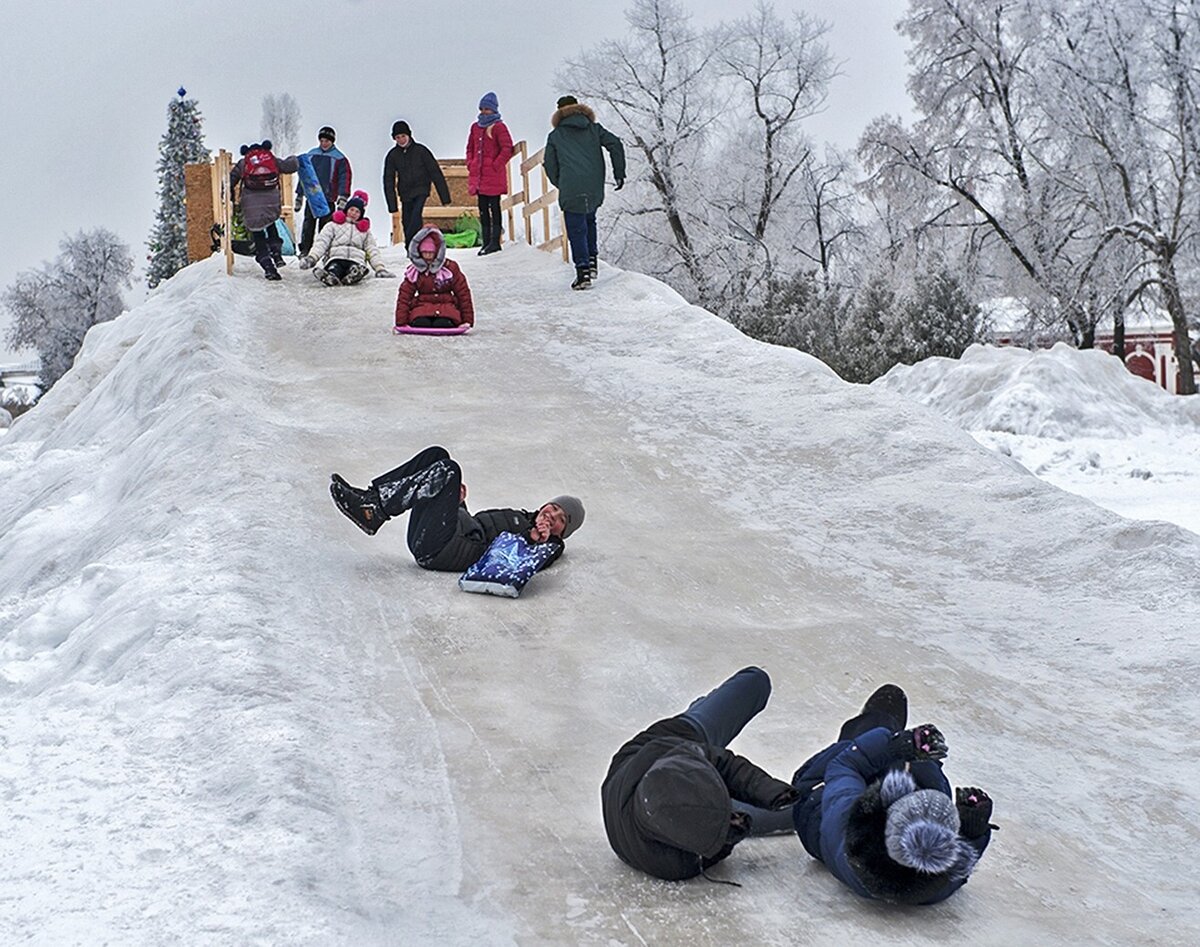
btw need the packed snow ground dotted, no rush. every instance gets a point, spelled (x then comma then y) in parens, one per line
(1077, 419)
(229, 717)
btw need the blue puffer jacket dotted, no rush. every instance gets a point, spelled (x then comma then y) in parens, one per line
(840, 820)
(333, 173)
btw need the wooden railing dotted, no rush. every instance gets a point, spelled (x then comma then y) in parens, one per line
(455, 170)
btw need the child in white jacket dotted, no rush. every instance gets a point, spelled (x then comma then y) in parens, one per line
(345, 247)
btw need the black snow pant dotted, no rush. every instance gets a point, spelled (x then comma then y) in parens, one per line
(412, 216)
(489, 220)
(428, 485)
(312, 226)
(268, 247)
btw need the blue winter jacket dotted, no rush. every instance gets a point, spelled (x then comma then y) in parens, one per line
(823, 816)
(333, 173)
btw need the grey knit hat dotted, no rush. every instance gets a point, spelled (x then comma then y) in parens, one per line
(922, 831)
(573, 509)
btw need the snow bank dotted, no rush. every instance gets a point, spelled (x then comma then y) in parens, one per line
(1077, 419)
(1060, 392)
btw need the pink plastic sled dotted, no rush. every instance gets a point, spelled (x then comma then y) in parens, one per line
(429, 330)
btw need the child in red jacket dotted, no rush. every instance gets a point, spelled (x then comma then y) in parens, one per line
(434, 292)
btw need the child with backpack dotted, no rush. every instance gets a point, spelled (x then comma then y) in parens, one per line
(434, 292)
(258, 173)
(345, 247)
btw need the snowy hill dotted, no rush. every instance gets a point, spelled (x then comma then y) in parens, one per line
(229, 717)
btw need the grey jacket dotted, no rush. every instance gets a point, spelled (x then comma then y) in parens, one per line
(260, 209)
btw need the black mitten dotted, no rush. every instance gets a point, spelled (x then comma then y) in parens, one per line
(974, 810)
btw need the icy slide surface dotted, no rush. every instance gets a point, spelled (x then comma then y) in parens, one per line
(229, 717)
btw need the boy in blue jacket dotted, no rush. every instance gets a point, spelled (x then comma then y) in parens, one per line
(334, 174)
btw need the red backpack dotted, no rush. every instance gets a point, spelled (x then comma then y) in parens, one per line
(262, 173)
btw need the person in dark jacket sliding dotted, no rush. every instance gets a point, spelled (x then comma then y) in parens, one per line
(675, 801)
(877, 810)
(408, 172)
(443, 535)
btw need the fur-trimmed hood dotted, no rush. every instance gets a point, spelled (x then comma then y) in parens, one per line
(884, 878)
(568, 111)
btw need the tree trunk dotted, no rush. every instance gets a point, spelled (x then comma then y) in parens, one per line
(1174, 303)
(1118, 346)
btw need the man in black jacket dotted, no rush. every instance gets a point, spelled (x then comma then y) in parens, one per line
(408, 171)
(442, 534)
(675, 801)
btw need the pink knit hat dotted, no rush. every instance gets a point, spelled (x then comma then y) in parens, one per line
(429, 243)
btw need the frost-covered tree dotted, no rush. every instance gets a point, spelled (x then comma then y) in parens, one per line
(182, 144)
(281, 122)
(1126, 75)
(986, 139)
(53, 306)
(658, 93)
(780, 73)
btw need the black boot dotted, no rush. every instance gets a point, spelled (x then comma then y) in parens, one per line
(593, 267)
(485, 237)
(362, 507)
(582, 279)
(887, 707)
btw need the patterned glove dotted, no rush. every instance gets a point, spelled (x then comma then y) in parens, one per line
(307, 263)
(340, 203)
(384, 273)
(920, 743)
(974, 810)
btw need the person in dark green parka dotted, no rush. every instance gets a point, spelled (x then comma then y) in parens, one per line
(574, 162)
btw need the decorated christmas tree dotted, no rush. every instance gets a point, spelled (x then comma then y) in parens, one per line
(182, 144)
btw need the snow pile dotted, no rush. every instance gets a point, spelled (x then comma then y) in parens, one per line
(230, 717)
(1077, 419)
(1060, 392)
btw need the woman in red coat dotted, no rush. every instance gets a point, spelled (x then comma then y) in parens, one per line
(434, 292)
(489, 148)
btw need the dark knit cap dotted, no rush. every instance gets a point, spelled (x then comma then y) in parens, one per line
(327, 132)
(567, 100)
(573, 509)
(401, 128)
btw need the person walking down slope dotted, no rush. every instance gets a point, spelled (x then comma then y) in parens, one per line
(346, 250)
(876, 809)
(334, 174)
(258, 173)
(489, 148)
(443, 535)
(675, 800)
(574, 164)
(434, 292)
(408, 172)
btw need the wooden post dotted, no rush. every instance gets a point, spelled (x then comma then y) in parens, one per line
(287, 210)
(198, 202)
(223, 204)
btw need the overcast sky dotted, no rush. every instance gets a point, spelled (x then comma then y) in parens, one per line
(85, 87)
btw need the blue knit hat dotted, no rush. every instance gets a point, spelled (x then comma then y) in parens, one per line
(489, 101)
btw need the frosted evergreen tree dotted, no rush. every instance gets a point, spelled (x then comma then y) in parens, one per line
(182, 144)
